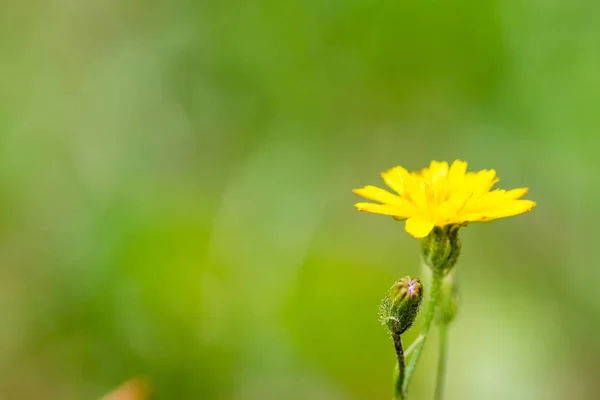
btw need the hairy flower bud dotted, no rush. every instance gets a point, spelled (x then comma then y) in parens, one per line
(400, 306)
(440, 249)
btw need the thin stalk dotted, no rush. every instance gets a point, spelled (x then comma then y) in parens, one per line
(442, 360)
(399, 370)
(412, 346)
(429, 314)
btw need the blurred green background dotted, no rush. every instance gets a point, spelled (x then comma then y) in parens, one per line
(175, 191)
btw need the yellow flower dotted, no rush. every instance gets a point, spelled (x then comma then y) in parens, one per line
(439, 196)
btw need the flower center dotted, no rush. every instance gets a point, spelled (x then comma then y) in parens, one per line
(412, 287)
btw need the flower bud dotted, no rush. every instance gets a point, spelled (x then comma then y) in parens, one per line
(440, 249)
(400, 306)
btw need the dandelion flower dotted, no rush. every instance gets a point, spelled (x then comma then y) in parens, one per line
(440, 195)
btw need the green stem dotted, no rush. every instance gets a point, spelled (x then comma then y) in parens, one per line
(412, 346)
(442, 357)
(430, 312)
(399, 370)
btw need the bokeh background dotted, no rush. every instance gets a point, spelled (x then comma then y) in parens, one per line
(175, 194)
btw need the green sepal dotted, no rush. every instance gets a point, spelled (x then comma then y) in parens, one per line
(441, 248)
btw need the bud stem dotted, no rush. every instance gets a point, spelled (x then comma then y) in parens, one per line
(429, 314)
(443, 355)
(400, 369)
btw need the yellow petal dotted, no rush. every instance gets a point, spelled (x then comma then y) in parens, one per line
(482, 181)
(515, 194)
(396, 178)
(485, 202)
(473, 217)
(418, 227)
(513, 207)
(380, 195)
(410, 185)
(454, 206)
(506, 209)
(438, 170)
(456, 173)
(385, 209)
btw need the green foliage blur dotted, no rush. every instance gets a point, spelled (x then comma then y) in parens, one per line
(175, 194)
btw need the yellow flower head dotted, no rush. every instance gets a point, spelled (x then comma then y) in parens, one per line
(439, 196)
